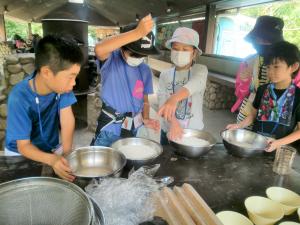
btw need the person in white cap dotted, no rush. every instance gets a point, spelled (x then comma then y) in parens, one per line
(181, 88)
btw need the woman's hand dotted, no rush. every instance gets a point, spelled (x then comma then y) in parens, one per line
(152, 124)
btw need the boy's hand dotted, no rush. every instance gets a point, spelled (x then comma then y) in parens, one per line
(168, 109)
(272, 145)
(176, 131)
(152, 124)
(145, 26)
(233, 126)
(61, 168)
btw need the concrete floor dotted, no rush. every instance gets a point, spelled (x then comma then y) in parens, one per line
(214, 122)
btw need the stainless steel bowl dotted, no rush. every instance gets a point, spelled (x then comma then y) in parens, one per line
(136, 163)
(191, 151)
(96, 162)
(244, 143)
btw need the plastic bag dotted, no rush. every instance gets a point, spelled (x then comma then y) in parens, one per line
(126, 201)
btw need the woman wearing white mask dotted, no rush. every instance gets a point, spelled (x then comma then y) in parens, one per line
(181, 88)
(126, 82)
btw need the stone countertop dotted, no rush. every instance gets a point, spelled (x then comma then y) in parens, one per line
(224, 181)
(15, 167)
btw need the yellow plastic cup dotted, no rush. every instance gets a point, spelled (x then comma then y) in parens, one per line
(287, 198)
(263, 211)
(233, 218)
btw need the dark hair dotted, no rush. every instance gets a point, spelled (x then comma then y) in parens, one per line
(284, 51)
(59, 53)
(18, 38)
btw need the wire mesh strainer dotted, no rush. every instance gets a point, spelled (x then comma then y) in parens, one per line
(44, 201)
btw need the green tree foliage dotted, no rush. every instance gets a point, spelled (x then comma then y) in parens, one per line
(37, 29)
(12, 27)
(289, 11)
(92, 31)
(21, 28)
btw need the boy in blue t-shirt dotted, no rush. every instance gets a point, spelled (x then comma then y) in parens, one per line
(126, 82)
(41, 103)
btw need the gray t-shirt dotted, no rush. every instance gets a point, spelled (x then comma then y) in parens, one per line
(189, 111)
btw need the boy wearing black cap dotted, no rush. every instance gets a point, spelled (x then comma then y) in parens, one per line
(252, 72)
(126, 83)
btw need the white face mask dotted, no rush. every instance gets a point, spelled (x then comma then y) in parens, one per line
(181, 58)
(132, 61)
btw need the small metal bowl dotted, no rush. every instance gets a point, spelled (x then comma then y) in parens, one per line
(96, 162)
(136, 163)
(191, 151)
(244, 143)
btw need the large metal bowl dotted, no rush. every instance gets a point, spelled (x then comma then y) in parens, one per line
(192, 151)
(136, 163)
(244, 143)
(96, 162)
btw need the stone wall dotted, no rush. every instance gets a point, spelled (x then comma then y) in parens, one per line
(218, 96)
(94, 105)
(4, 51)
(15, 67)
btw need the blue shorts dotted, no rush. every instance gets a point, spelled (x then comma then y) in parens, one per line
(105, 138)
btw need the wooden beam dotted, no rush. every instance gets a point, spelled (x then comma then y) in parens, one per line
(2, 28)
(210, 22)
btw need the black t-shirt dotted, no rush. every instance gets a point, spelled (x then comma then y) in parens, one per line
(266, 127)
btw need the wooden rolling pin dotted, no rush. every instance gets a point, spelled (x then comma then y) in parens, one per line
(184, 206)
(189, 206)
(164, 211)
(183, 215)
(203, 209)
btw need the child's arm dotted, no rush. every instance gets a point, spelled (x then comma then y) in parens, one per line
(150, 123)
(58, 163)
(246, 122)
(104, 48)
(168, 109)
(176, 130)
(274, 144)
(67, 124)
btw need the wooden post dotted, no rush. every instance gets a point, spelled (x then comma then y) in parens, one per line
(2, 28)
(210, 22)
(29, 31)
